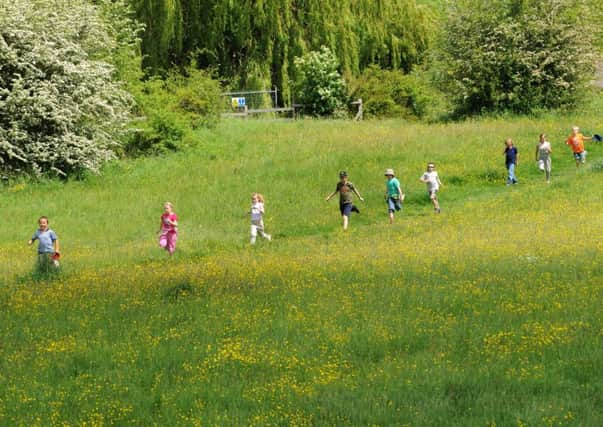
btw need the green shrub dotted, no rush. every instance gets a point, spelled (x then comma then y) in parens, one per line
(319, 85)
(171, 108)
(518, 55)
(391, 93)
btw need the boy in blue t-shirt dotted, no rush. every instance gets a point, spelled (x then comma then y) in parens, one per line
(48, 246)
(511, 160)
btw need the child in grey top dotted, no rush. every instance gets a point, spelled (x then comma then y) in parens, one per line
(543, 156)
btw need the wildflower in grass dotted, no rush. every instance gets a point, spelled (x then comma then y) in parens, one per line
(168, 231)
(345, 189)
(576, 141)
(511, 160)
(48, 245)
(431, 178)
(543, 156)
(257, 218)
(394, 196)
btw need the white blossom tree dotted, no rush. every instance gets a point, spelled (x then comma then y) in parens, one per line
(61, 109)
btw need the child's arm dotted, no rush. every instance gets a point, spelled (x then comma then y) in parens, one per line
(358, 194)
(400, 192)
(33, 238)
(439, 182)
(330, 196)
(57, 248)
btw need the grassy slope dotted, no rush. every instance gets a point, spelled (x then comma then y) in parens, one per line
(487, 313)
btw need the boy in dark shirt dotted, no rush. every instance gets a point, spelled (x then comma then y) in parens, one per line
(345, 190)
(511, 160)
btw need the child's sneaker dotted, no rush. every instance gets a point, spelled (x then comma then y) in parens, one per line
(355, 209)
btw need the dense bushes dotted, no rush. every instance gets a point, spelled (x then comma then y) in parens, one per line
(517, 55)
(390, 93)
(61, 112)
(171, 108)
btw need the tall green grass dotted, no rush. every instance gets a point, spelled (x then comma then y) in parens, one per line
(488, 314)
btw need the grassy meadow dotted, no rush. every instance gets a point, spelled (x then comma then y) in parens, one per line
(489, 314)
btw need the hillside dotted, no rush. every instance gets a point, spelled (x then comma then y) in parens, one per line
(488, 314)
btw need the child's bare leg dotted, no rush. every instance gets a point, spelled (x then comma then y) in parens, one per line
(262, 233)
(345, 222)
(434, 199)
(391, 217)
(436, 204)
(254, 234)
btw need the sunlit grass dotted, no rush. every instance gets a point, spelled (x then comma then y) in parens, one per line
(488, 314)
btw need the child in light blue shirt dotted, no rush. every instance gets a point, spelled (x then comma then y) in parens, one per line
(48, 243)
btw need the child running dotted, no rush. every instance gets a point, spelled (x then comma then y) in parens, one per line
(431, 178)
(393, 194)
(257, 218)
(345, 189)
(168, 231)
(576, 141)
(511, 160)
(543, 156)
(48, 245)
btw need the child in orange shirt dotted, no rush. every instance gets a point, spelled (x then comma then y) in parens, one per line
(576, 141)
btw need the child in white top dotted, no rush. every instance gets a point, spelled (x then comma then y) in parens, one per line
(431, 178)
(543, 156)
(257, 218)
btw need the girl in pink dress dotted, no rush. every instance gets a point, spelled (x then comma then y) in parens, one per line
(168, 232)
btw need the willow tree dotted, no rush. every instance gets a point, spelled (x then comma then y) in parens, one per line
(253, 43)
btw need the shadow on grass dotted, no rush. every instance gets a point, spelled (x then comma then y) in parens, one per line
(179, 292)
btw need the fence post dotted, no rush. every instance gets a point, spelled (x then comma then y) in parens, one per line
(275, 97)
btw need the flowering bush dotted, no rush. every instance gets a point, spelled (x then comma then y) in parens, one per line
(61, 110)
(320, 87)
(518, 56)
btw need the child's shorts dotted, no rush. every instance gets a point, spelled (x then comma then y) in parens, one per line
(345, 209)
(47, 259)
(580, 157)
(393, 204)
(433, 194)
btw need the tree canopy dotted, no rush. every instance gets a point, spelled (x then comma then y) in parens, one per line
(518, 55)
(253, 43)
